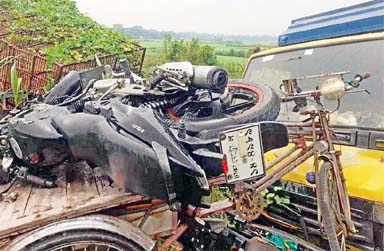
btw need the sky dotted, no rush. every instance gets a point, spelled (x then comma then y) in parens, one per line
(246, 17)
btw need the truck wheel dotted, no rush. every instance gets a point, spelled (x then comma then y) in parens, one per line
(90, 233)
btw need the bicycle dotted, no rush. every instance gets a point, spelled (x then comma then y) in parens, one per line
(332, 198)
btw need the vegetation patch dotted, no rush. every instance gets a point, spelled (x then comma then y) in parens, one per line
(56, 29)
(230, 55)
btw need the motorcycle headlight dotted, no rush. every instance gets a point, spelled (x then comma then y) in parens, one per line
(16, 148)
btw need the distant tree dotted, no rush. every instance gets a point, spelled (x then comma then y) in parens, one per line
(175, 50)
(231, 52)
(180, 50)
(140, 32)
(194, 48)
(207, 55)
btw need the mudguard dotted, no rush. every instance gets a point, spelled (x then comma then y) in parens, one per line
(131, 163)
(129, 160)
(34, 131)
(142, 123)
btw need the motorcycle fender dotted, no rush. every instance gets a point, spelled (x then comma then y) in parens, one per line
(132, 164)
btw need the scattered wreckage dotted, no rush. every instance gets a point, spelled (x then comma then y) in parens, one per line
(165, 142)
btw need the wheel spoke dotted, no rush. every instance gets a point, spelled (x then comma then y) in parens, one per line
(88, 246)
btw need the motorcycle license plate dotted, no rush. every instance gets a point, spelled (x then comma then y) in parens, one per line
(243, 152)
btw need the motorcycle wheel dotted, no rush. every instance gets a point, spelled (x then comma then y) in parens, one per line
(86, 233)
(266, 107)
(81, 241)
(330, 208)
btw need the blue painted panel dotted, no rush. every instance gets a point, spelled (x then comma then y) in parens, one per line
(356, 19)
(338, 30)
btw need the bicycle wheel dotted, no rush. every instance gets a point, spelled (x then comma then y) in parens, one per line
(329, 204)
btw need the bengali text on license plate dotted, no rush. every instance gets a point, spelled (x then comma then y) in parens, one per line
(243, 150)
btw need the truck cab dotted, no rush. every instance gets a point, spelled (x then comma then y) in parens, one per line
(349, 39)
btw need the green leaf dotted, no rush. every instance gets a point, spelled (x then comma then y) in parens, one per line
(277, 188)
(264, 192)
(269, 201)
(18, 93)
(98, 61)
(281, 200)
(14, 78)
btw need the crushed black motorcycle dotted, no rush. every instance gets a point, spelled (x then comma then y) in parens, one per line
(157, 137)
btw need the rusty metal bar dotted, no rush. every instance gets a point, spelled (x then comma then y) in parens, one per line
(284, 165)
(279, 159)
(278, 173)
(221, 206)
(145, 218)
(298, 124)
(171, 239)
(217, 181)
(144, 50)
(32, 72)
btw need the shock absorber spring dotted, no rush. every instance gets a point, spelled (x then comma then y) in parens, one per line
(76, 106)
(162, 105)
(158, 105)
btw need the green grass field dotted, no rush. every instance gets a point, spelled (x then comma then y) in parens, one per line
(233, 64)
(156, 45)
(152, 45)
(230, 59)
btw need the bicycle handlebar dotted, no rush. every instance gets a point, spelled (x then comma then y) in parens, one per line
(363, 76)
(354, 83)
(358, 78)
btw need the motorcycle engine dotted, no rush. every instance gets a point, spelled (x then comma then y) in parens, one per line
(179, 74)
(117, 87)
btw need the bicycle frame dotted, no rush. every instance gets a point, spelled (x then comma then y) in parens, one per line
(316, 130)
